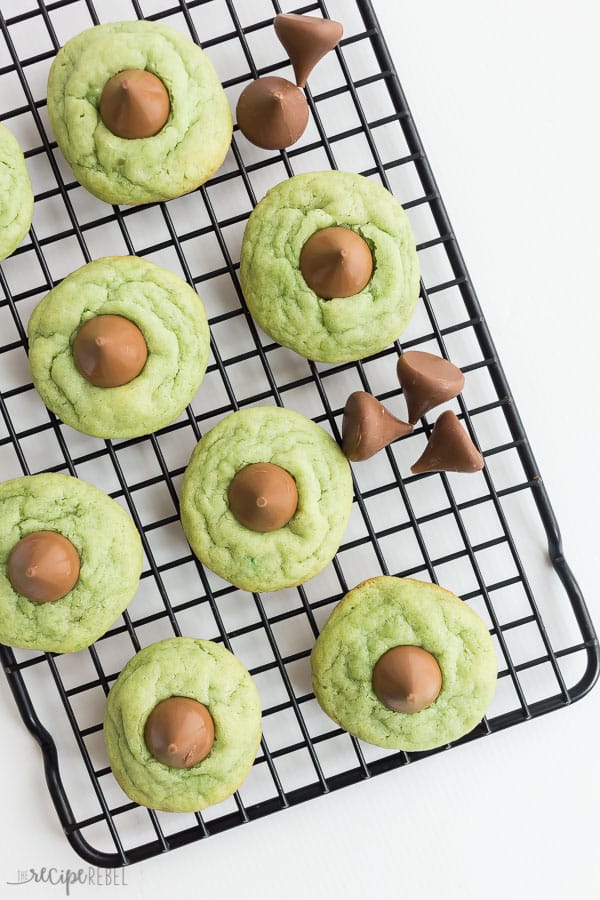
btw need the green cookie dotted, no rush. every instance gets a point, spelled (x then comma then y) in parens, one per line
(203, 671)
(288, 556)
(170, 316)
(341, 329)
(386, 612)
(16, 195)
(110, 553)
(184, 154)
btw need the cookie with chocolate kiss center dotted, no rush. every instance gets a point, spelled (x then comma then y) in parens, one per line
(306, 40)
(272, 113)
(134, 104)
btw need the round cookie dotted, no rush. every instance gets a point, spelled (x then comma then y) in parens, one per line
(205, 672)
(181, 156)
(386, 612)
(287, 556)
(172, 320)
(110, 554)
(16, 195)
(343, 328)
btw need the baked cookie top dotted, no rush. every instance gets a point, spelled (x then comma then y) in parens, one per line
(287, 556)
(16, 195)
(342, 328)
(387, 612)
(186, 151)
(203, 671)
(172, 320)
(109, 549)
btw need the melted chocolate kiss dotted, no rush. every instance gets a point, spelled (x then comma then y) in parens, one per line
(368, 427)
(450, 449)
(179, 732)
(336, 262)
(263, 497)
(306, 40)
(134, 104)
(427, 380)
(44, 566)
(272, 113)
(109, 351)
(407, 679)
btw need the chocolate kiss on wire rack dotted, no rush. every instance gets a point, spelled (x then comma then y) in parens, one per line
(272, 113)
(427, 380)
(306, 40)
(368, 426)
(450, 449)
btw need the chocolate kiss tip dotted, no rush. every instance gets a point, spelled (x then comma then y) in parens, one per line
(450, 449)
(306, 40)
(368, 427)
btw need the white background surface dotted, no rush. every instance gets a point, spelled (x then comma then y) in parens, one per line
(505, 97)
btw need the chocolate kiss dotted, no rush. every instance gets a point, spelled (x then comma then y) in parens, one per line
(179, 732)
(336, 262)
(450, 449)
(407, 679)
(427, 380)
(109, 351)
(134, 104)
(272, 113)
(306, 40)
(368, 427)
(43, 566)
(263, 496)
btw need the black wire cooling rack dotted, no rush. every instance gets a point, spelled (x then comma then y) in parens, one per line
(467, 532)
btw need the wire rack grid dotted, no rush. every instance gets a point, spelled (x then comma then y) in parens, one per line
(483, 536)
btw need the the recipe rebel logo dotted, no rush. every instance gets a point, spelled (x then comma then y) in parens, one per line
(68, 878)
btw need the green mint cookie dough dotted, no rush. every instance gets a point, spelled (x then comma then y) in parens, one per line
(16, 195)
(288, 556)
(203, 671)
(386, 612)
(344, 328)
(110, 553)
(185, 152)
(170, 316)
